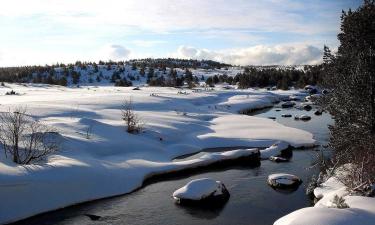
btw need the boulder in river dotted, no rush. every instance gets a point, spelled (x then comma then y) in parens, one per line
(302, 117)
(307, 107)
(278, 159)
(283, 180)
(204, 191)
(318, 112)
(287, 104)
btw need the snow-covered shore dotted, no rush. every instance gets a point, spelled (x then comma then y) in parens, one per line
(360, 211)
(110, 161)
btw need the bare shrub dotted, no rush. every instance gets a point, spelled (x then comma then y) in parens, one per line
(356, 171)
(339, 202)
(25, 139)
(88, 131)
(132, 121)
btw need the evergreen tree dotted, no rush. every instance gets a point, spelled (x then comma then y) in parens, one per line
(142, 72)
(210, 82)
(134, 66)
(75, 77)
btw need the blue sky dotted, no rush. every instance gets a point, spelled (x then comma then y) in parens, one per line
(237, 31)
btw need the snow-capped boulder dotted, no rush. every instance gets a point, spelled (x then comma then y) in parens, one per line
(280, 148)
(202, 191)
(283, 180)
(309, 87)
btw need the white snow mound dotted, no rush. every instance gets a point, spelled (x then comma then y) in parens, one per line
(198, 189)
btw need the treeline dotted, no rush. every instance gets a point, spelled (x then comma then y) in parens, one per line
(161, 72)
(270, 77)
(155, 69)
(178, 63)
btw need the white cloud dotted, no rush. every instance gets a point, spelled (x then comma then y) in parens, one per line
(115, 52)
(297, 54)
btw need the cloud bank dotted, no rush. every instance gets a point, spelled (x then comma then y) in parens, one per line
(256, 55)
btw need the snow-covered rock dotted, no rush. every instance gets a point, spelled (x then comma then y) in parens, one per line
(278, 159)
(275, 150)
(284, 180)
(201, 191)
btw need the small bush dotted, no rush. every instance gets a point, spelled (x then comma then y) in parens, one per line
(132, 121)
(25, 139)
(11, 93)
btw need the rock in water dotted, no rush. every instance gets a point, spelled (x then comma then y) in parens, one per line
(307, 107)
(202, 191)
(93, 217)
(284, 180)
(302, 117)
(287, 104)
(318, 112)
(278, 159)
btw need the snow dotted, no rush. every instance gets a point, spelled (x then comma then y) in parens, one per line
(111, 161)
(331, 185)
(361, 209)
(327, 216)
(198, 189)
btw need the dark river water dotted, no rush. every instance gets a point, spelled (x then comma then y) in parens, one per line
(252, 201)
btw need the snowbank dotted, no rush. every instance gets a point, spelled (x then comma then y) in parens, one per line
(328, 216)
(361, 210)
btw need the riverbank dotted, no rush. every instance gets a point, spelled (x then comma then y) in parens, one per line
(112, 162)
(351, 210)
